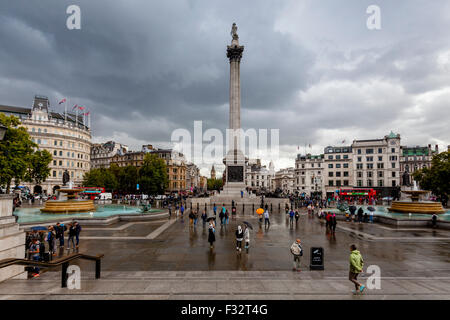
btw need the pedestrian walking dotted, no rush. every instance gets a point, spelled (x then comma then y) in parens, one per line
(434, 220)
(233, 213)
(170, 210)
(360, 214)
(60, 229)
(72, 235)
(77, 232)
(239, 238)
(177, 208)
(291, 217)
(247, 238)
(227, 217)
(215, 209)
(266, 217)
(371, 216)
(195, 217)
(191, 217)
(204, 218)
(182, 211)
(333, 223)
(51, 239)
(297, 252)
(211, 234)
(356, 267)
(297, 216)
(221, 217)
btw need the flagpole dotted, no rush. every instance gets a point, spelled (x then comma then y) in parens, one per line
(65, 111)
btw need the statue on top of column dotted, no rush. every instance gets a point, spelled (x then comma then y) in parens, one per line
(234, 31)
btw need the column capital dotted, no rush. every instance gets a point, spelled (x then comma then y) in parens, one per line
(234, 52)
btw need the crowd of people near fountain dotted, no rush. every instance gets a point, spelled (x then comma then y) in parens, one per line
(36, 240)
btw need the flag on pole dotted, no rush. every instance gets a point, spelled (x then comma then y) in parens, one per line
(62, 101)
(343, 141)
(81, 108)
(75, 107)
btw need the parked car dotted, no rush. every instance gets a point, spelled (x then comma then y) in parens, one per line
(106, 196)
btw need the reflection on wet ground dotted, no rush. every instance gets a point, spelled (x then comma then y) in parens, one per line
(185, 248)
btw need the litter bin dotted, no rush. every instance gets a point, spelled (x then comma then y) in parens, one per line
(316, 259)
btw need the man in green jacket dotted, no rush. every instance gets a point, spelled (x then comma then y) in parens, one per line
(356, 267)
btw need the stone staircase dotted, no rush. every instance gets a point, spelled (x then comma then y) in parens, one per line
(223, 285)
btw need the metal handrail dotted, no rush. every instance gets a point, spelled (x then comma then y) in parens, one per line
(64, 262)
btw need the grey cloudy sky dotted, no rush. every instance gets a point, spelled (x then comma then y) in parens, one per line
(310, 68)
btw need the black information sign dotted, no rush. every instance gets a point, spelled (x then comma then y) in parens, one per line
(235, 174)
(317, 257)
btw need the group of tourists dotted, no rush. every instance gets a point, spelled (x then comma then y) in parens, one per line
(35, 242)
(330, 220)
(358, 215)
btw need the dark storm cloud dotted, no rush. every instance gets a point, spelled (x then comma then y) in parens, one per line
(310, 68)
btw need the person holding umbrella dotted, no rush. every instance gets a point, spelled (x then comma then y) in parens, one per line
(371, 210)
(352, 210)
(260, 212)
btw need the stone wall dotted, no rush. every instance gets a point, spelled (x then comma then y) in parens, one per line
(12, 240)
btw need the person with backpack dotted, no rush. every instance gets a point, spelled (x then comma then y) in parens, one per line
(297, 252)
(51, 239)
(434, 220)
(239, 238)
(356, 267)
(227, 217)
(195, 217)
(191, 218)
(72, 235)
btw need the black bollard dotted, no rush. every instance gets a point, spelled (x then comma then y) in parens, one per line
(243, 208)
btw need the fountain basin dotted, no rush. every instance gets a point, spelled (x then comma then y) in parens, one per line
(68, 206)
(422, 207)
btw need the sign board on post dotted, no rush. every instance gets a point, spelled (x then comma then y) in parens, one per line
(316, 259)
(137, 186)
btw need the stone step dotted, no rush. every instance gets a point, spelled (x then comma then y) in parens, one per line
(8, 229)
(7, 220)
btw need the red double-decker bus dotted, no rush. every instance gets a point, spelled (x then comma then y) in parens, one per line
(92, 192)
(357, 192)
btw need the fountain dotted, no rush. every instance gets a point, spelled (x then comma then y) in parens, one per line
(68, 201)
(416, 205)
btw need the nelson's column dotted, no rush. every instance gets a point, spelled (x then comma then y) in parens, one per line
(234, 160)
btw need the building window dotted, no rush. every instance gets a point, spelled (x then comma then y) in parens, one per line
(393, 183)
(54, 173)
(393, 174)
(54, 162)
(338, 157)
(338, 165)
(345, 173)
(330, 157)
(369, 183)
(345, 182)
(359, 159)
(369, 174)
(369, 159)
(359, 166)
(380, 158)
(380, 165)
(345, 165)
(369, 151)
(330, 166)
(370, 166)
(393, 165)
(345, 156)
(338, 183)
(330, 183)
(359, 174)
(380, 174)
(359, 151)
(380, 150)
(359, 183)
(330, 174)
(380, 183)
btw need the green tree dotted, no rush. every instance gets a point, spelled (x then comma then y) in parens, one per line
(214, 184)
(101, 178)
(128, 178)
(39, 169)
(16, 153)
(153, 178)
(437, 178)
